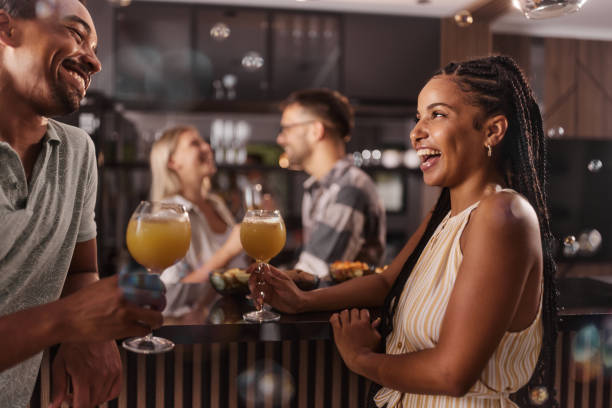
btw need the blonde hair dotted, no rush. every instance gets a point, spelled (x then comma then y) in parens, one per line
(164, 181)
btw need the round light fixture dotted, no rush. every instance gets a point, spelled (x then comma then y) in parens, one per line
(537, 9)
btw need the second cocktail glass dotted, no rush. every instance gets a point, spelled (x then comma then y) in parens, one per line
(262, 235)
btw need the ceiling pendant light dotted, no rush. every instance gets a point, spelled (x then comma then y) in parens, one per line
(536, 9)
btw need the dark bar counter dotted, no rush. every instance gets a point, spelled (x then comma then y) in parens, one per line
(222, 361)
(224, 323)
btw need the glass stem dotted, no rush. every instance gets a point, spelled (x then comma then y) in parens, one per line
(149, 337)
(259, 302)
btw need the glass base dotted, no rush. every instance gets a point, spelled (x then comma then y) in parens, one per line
(148, 345)
(261, 316)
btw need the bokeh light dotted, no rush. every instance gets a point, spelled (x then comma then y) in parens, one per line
(376, 155)
(606, 344)
(570, 246)
(538, 395)
(357, 159)
(586, 351)
(411, 159)
(252, 61)
(464, 18)
(283, 161)
(266, 382)
(595, 165)
(45, 8)
(220, 31)
(589, 242)
(120, 3)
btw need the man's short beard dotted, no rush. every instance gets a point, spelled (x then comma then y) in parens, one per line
(68, 102)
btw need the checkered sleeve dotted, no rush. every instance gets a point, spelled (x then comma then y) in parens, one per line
(337, 233)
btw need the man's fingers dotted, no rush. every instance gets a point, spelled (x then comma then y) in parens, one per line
(81, 396)
(58, 390)
(364, 314)
(345, 317)
(334, 320)
(144, 297)
(146, 281)
(115, 387)
(149, 318)
(355, 315)
(376, 323)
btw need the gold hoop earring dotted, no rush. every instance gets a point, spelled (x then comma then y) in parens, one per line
(489, 150)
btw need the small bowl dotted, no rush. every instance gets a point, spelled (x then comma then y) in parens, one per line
(235, 281)
(341, 271)
(230, 282)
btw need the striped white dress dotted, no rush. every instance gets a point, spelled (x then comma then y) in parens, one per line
(418, 321)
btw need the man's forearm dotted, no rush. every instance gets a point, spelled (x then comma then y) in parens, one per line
(76, 281)
(29, 331)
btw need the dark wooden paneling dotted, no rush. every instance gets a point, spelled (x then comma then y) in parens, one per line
(591, 101)
(461, 43)
(560, 85)
(516, 46)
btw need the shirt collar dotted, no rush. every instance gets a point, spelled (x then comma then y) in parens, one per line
(51, 134)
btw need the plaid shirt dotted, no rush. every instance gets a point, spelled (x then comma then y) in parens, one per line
(343, 219)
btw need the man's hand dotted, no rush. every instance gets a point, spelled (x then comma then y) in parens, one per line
(94, 370)
(100, 312)
(354, 335)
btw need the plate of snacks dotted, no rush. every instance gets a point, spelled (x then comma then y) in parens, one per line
(232, 281)
(235, 281)
(341, 271)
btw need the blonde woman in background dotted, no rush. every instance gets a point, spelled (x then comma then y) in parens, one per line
(181, 165)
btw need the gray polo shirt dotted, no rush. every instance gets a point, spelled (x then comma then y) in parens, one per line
(40, 223)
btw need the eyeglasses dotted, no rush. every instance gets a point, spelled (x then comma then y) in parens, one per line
(283, 128)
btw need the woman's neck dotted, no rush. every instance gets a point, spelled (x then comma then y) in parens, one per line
(470, 192)
(193, 194)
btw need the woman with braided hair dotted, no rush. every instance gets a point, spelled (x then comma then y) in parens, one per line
(469, 303)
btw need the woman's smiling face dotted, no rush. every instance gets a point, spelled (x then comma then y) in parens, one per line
(450, 147)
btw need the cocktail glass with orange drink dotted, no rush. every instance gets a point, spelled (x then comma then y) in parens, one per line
(157, 236)
(262, 235)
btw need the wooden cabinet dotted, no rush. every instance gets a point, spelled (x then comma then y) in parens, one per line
(244, 54)
(166, 54)
(306, 52)
(153, 55)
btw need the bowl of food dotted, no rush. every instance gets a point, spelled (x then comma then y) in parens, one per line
(230, 282)
(235, 281)
(340, 271)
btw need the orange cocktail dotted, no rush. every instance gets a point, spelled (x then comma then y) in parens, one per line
(157, 236)
(157, 242)
(263, 237)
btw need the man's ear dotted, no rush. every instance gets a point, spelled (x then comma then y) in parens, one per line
(7, 29)
(495, 128)
(318, 129)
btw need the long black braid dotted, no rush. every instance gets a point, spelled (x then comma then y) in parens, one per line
(498, 86)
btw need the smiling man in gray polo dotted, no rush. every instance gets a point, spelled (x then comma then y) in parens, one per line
(48, 180)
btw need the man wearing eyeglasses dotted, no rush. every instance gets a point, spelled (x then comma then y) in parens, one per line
(342, 216)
